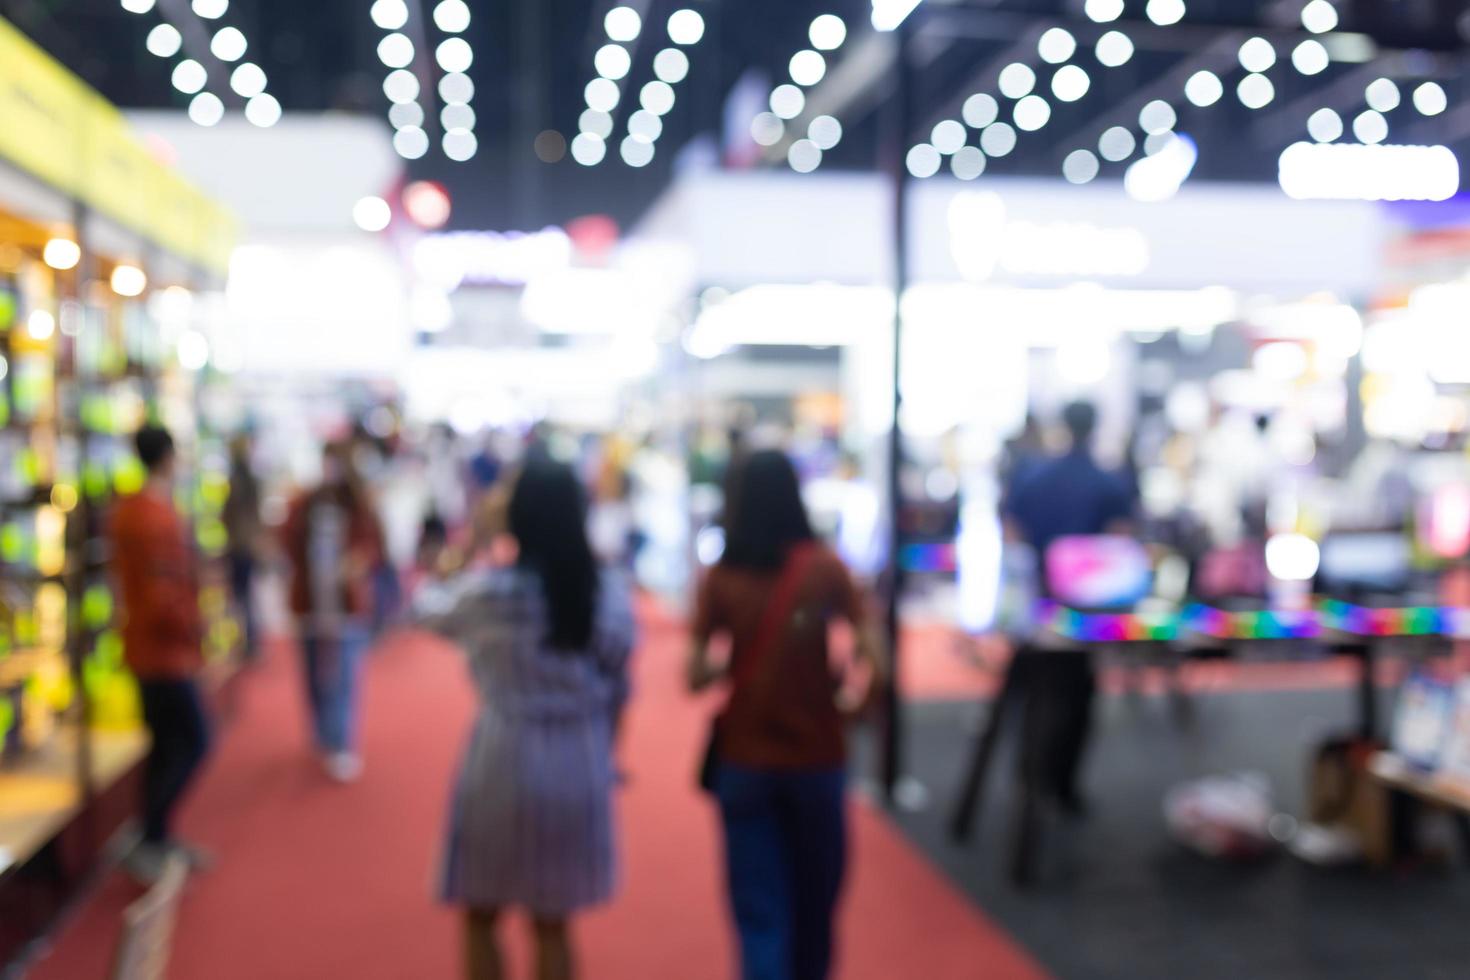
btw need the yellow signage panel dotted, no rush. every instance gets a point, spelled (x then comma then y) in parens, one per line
(57, 128)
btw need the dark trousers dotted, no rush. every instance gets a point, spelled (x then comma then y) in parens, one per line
(174, 714)
(786, 853)
(1060, 688)
(242, 582)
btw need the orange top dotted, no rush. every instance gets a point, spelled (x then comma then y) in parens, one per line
(785, 715)
(158, 582)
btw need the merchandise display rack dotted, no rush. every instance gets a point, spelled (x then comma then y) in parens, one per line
(88, 330)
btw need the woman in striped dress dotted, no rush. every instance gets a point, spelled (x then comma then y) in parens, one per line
(548, 641)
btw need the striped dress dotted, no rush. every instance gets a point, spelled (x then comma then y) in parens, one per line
(531, 823)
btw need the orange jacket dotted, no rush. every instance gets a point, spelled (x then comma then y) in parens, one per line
(158, 582)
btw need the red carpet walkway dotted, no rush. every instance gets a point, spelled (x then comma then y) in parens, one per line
(318, 881)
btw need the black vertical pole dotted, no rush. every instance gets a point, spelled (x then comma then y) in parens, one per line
(893, 726)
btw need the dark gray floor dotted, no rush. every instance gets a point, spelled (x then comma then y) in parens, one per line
(1119, 900)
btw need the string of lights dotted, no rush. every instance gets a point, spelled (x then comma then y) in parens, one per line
(788, 101)
(190, 77)
(398, 53)
(657, 98)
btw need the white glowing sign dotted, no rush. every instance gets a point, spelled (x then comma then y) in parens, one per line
(1354, 172)
(491, 258)
(985, 239)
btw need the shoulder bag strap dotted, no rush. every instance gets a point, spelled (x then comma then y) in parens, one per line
(778, 611)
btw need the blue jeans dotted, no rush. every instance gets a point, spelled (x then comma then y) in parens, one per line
(333, 665)
(785, 854)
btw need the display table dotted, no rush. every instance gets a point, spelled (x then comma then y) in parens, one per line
(40, 793)
(1395, 773)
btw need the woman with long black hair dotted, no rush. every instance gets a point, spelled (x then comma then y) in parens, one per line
(777, 757)
(548, 641)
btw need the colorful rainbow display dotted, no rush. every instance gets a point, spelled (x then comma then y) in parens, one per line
(1326, 617)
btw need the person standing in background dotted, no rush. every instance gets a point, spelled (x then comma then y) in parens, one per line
(157, 578)
(247, 538)
(777, 764)
(334, 542)
(1064, 496)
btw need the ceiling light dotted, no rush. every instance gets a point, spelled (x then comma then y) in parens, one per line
(804, 156)
(165, 41)
(1156, 142)
(623, 24)
(1056, 46)
(645, 126)
(1081, 167)
(128, 280)
(460, 145)
(686, 27)
(828, 32)
(62, 254)
(263, 110)
(1257, 55)
(612, 61)
(767, 129)
(1319, 17)
(603, 94)
(1157, 117)
(588, 149)
(455, 55)
(998, 140)
(372, 214)
(1114, 49)
(458, 118)
(452, 16)
(1255, 91)
(635, 152)
(599, 124)
(1160, 176)
(1311, 57)
(396, 51)
(206, 109)
(411, 142)
(923, 161)
(1103, 11)
(787, 101)
(1017, 80)
(1032, 113)
(1383, 95)
(1325, 126)
(808, 68)
(456, 87)
(1166, 13)
(1117, 144)
(390, 15)
(1070, 83)
(189, 76)
(826, 132)
(889, 15)
(1430, 99)
(1370, 127)
(405, 114)
(248, 80)
(401, 85)
(1204, 89)
(980, 110)
(968, 163)
(671, 65)
(949, 136)
(137, 6)
(658, 98)
(228, 44)
(211, 9)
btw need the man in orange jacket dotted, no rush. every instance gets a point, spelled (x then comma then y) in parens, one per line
(157, 577)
